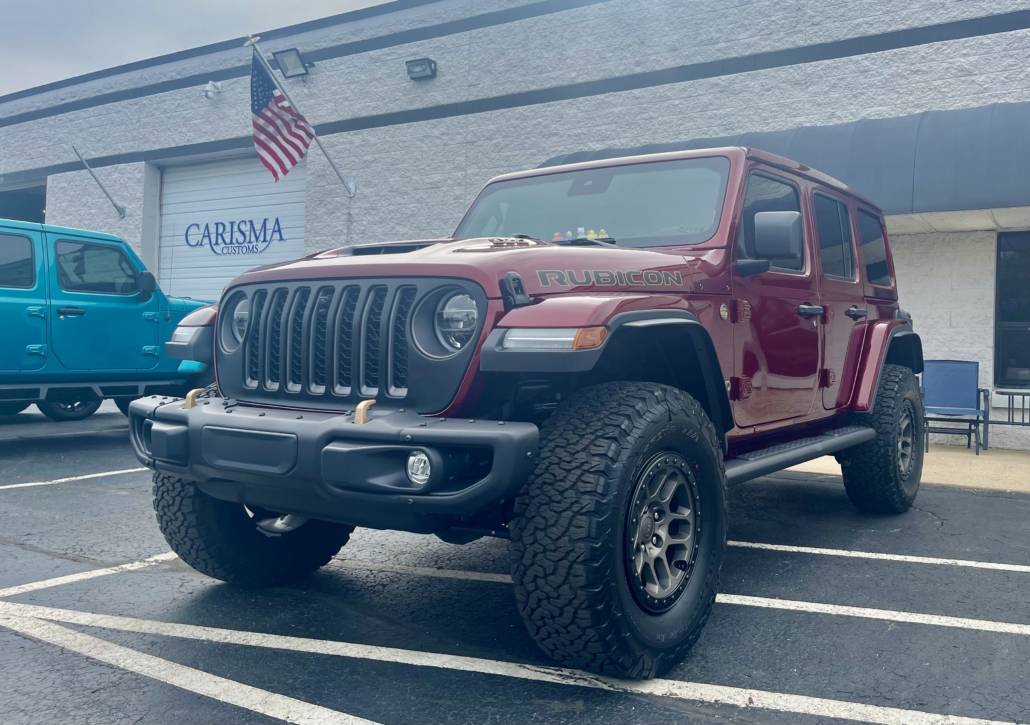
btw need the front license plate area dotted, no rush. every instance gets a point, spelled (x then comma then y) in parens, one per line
(249, 451)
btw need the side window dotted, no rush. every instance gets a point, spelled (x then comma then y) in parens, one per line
(17, 264)
(765, 193)
(83, 267)
(833, 223)
(874, 249)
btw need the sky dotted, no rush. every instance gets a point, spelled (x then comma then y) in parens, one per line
(49, 40)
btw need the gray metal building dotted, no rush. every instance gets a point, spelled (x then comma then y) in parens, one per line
(923, 105)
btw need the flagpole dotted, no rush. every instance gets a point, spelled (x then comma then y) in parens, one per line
(252, 42)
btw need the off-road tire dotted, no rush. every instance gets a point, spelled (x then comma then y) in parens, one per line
(568, 533)
(221, 540)
(12, 408)
(873, 478)
(69, 411)
(123, 405)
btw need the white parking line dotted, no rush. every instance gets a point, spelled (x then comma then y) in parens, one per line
(1021, 568)
(887, 615)
(85, 575)
(690, 691)
(186, 678)
(69, 479)
(840, 610)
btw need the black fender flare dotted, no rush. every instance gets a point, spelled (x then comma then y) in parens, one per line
(682, 325)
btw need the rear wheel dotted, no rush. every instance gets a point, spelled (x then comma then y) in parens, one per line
(67, 410)
(13, 408)
(617, 540)
(123, 405)
(241, 545)
(882, 476)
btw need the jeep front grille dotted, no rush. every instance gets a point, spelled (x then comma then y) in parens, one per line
(322, 344)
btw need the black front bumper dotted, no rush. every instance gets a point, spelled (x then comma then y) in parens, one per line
(325, 466)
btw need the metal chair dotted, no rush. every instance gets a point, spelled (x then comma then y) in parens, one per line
(951, 394)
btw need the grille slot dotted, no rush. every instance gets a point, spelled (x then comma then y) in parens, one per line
(254, 341)
(295, 356)
(398, 357)
(319, 354)
(273, 329)
(345, 341)
(371, 341)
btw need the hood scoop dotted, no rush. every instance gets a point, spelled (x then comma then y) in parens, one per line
(372, 250)
(499, 244)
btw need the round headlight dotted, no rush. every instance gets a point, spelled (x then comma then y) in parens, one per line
(234, 317)
(456, 319)
(240, 320)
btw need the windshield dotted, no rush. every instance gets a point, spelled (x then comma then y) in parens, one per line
(660, 203)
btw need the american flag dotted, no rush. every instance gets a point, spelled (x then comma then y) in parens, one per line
(281, 135)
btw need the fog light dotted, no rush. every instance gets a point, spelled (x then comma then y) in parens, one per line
(419, 468)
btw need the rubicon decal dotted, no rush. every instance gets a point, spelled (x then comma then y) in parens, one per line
(609, 278)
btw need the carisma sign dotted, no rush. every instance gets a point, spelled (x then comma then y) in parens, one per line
(234, 237)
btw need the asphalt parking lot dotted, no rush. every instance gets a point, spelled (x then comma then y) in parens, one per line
(826, 615)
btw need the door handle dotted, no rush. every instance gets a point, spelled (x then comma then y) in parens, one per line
(857, 313)
(36, 311)
(811, 310)
(70, 311)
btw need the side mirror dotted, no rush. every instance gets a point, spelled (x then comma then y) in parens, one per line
(778, 236)
(147, 285)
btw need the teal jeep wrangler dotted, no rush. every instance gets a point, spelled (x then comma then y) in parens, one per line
(81, 320)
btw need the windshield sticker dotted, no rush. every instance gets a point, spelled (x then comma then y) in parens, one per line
(609, 278)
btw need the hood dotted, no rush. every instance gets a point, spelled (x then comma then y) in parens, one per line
(184, 305)
(544, 267)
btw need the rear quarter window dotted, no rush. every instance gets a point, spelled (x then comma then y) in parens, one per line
(17, 268)
(874, 250)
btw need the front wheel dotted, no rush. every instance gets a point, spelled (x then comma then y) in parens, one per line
(68, 410)
(240, 545)
(618, 538)
(882, 476)
(123, 405)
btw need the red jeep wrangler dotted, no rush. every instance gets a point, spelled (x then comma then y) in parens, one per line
(597, 352)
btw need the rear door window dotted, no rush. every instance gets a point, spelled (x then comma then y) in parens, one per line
(97, 268)
(874, 250)
(17, 263)
(833, 224)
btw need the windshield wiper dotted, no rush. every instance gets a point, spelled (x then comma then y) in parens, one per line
(575, 241)
(588, 241)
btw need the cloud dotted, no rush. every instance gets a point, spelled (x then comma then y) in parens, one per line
(49, 40)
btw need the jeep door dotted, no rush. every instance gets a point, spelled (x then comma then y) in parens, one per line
(841, 296)
(23, 303)
(99, 321)
(776, 339)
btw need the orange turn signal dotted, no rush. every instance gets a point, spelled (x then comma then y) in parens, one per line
(587, 338)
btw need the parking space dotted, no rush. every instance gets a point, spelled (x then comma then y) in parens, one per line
(825, 615)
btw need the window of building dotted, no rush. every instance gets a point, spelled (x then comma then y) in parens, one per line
(17, 264)
(833, 224)
(765, 193)
(1012, 317)
(874, 249)
(95, 268)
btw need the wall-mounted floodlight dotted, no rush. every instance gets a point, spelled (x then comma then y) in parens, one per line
(212, 89)
(291, 63)
(421, 69)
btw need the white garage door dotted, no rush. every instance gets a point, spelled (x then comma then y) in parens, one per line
(222, 218)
